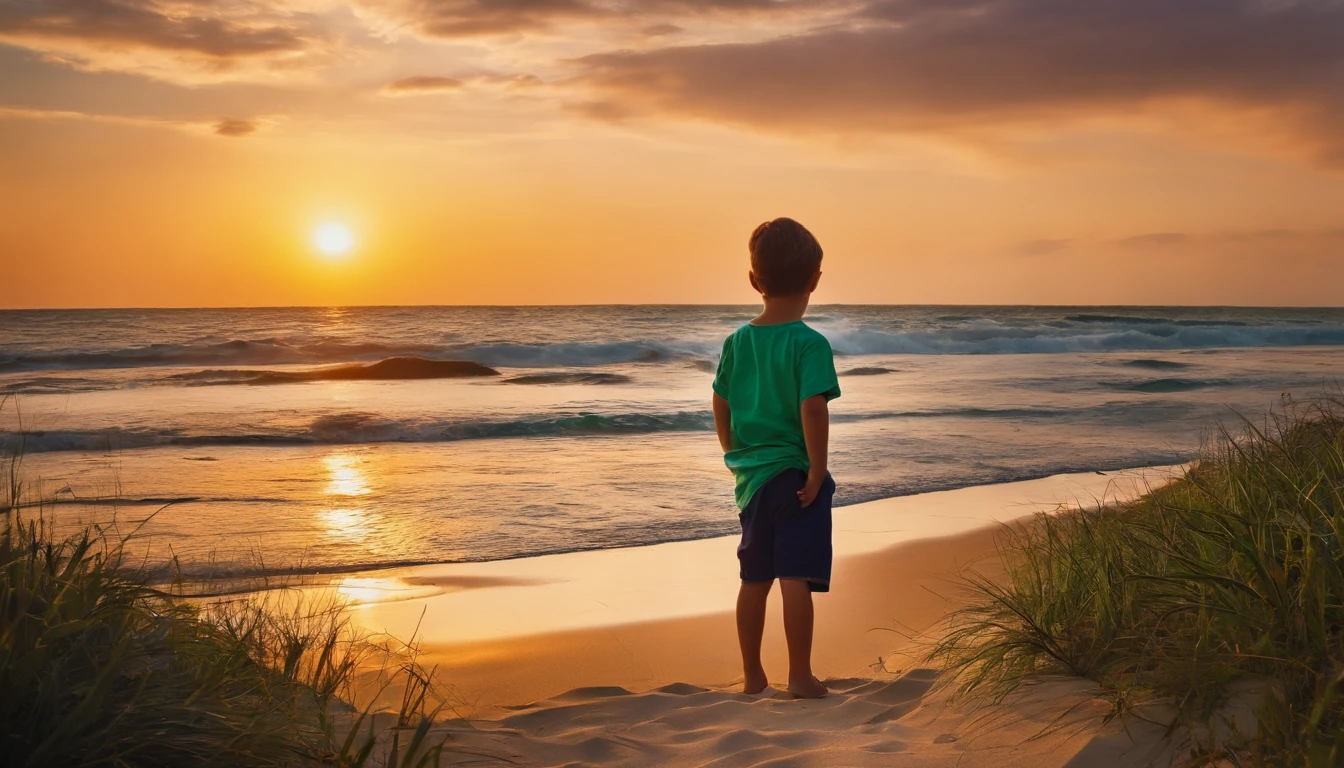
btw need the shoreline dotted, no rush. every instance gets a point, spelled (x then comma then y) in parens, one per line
(316, 577)
(510, 632)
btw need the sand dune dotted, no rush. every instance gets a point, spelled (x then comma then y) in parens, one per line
(884, 722)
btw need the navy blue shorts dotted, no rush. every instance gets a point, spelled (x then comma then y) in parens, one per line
(782, 539)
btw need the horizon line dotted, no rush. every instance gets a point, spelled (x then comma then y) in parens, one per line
(1045, 305)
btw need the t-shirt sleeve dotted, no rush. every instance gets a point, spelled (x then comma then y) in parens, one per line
(725, 372)
(817, 370)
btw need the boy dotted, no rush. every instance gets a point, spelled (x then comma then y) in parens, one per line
(770, 393)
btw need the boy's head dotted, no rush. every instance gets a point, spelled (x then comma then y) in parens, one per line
(785, 258)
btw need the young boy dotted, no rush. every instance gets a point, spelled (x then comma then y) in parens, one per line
(774, 380)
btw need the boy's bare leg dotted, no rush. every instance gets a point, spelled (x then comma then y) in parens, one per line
(798, 634)
(750, 626)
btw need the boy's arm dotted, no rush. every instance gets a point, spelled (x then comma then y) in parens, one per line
(816, 434)
(723, 423)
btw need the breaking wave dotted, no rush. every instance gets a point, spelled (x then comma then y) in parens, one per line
(393, 368)
(569, 377)
(696, 341)
(1112, 335)
(1156, 365)
(358, 427)
(1163, 386)
(1140, 320)
(266, 352)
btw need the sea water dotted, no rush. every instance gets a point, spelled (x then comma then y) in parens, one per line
(238, 441)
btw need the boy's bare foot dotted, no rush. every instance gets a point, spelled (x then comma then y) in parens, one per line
(809, 688)
(755, 682)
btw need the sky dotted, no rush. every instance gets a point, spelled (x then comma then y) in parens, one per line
(187, 152)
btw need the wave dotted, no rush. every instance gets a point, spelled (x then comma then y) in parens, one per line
(51, 385)
(236, 352)
(1122, 334)
(582, 353)
(958, 412)
(1159, 386)
(267, 352)
(695, 339)
(358, 427)
(565, 377)
(61, 499)
(1141, 320)
(362, 427)
(860, 492)
(869, 370)
(393, 368)
(1156, 365)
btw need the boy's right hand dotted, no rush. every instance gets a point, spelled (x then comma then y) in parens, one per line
(809, 491)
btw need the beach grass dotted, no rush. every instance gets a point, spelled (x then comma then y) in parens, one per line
(99, 665)
(1232, 574)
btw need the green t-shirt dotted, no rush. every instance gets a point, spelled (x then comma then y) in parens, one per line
(765, 374)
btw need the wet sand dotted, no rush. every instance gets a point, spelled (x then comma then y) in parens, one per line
(629, 657)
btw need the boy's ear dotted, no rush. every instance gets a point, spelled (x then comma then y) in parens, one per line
(815, 279)
(751, 277)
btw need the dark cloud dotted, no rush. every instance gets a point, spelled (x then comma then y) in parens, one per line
(234, 128)
(194, 27)
(1042, 247)
(957, 65)
(462, 18)
(661, 30)
(465, 18)
(422, 84)
(1155, 240)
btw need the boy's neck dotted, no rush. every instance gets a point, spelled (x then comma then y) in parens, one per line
(783, 309)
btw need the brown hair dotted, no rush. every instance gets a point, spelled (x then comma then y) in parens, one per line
(784, 257)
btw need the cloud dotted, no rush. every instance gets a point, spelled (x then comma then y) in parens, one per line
(1155, 240)
(231, 127)
(468, 18)
(119, 34)
(1042, 247)
(462, 18)
(234, 128)
(422, 84)
(661, 30)
(948, 66)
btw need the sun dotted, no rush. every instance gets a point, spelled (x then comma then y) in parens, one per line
(333, 239)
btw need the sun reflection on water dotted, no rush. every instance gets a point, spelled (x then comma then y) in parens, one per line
(363, 591)
(346, 478)
(350, 524)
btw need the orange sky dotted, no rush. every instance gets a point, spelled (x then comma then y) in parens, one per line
(181, 152)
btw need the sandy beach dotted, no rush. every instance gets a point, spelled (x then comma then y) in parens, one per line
(628, 657)
(382, 383)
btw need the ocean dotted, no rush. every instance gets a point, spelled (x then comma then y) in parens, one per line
(246, 441)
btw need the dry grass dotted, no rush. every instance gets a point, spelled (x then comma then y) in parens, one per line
(1233, 572)
(99, 666)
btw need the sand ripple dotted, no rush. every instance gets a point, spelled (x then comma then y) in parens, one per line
(863, 723)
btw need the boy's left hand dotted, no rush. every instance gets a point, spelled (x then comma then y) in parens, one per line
(808, 494)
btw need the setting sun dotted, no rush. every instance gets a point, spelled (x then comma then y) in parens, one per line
(472, 358)
(333, 239)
